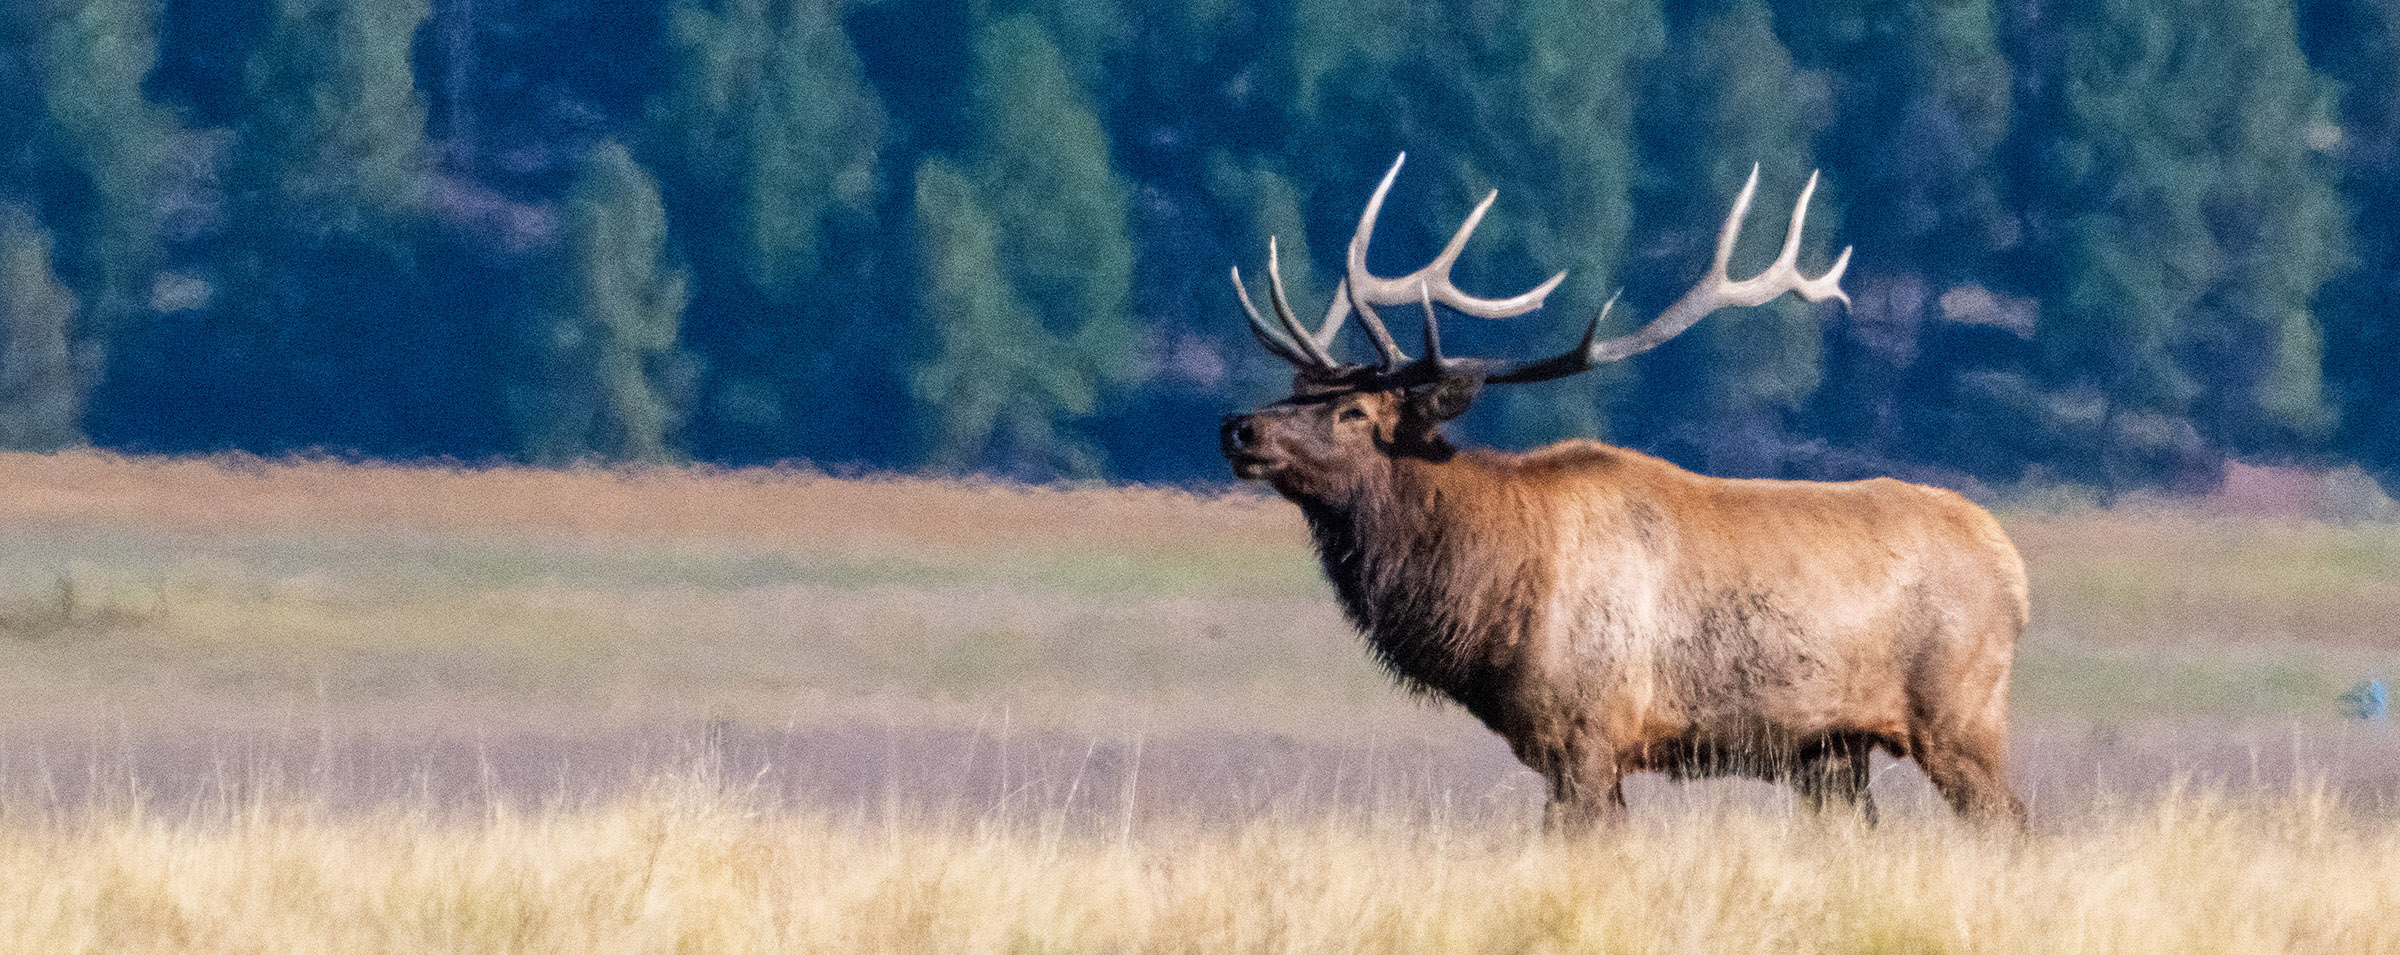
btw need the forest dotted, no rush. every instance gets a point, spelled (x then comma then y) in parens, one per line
(2111, 245)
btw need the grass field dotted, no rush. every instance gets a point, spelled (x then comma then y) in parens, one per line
(691, 868)
(312, 706)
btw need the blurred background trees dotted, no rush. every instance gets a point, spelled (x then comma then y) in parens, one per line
(604, 376)
(2115, 245)
(1729, 96)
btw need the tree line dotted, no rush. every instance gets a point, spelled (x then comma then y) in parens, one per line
(2111, 244)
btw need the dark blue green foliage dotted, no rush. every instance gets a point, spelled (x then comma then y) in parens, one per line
(2115, 244)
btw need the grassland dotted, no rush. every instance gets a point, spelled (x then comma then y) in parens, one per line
(177, 588)
(692, 868)
(314, 706)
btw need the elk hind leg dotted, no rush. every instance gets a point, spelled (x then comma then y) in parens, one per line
(1972, 775)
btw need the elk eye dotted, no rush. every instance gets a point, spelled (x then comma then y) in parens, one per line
(1352, 414)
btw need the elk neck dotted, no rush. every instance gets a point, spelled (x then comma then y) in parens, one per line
(1442, 564)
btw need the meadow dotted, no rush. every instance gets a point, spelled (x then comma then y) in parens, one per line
(317, 706)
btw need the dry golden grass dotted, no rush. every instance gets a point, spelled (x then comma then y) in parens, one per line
(688, 868)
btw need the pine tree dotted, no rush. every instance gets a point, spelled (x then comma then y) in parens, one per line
(89, 153)
(2357, 43)
(1534, 100)
(318, 335)
(1720, 395)
(332, 137)
(2278, 214)
(95, 55)
(41, 382)
(610, 380)
(1922, 92)
(767, 140)
(769, 128)
(1000, 386)
(1054, 334)
(1570, 165)
(2184, 224)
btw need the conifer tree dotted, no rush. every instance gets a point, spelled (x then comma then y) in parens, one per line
(2184, 223)
(1000, 387)
(317, 336)
(610, 381)
(89, 151)
(41, 374)
(332, 138)
(2279, 217)
(768, 129)
(1922, 92)
(767, 138)
(2357, 44)
(1571, 167)
(110, 140)
(1533, 99)
(1054, 334)
(1923, 100)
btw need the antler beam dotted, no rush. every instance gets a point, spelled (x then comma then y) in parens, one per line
(1715, 291)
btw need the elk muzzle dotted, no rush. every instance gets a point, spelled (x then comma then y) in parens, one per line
(1238, 438)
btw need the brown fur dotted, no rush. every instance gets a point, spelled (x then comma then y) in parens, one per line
(1608, 612)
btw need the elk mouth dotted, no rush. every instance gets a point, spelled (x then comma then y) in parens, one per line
(1248, 466)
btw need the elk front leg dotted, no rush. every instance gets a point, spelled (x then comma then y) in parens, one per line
(1586, 791)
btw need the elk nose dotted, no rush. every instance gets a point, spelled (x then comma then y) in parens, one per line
(1237, 432)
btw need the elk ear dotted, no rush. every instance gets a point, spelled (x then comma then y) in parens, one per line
(1444, 399)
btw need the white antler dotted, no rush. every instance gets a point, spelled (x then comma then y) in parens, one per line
(1294, 343)
(1716, 290)
(1361, 291)
(1368, 290)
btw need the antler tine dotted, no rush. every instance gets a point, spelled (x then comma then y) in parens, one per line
(1309, 344)
(1573, 361)
(1293, 342)
(1273, 340)
(1368, 290)
(1380, 336)
(1715, 291)
(1784, 275)
(1433, 327)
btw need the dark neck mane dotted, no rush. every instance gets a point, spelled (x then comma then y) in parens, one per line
(1437, 570)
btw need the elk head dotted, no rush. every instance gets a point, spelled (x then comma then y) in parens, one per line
(1344, 422)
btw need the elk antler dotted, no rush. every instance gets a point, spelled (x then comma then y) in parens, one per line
(1714, 291)
(1295, 343)
(1432, 282)
(1361, 291)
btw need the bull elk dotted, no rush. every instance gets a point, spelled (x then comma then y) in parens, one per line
(1608, 612)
